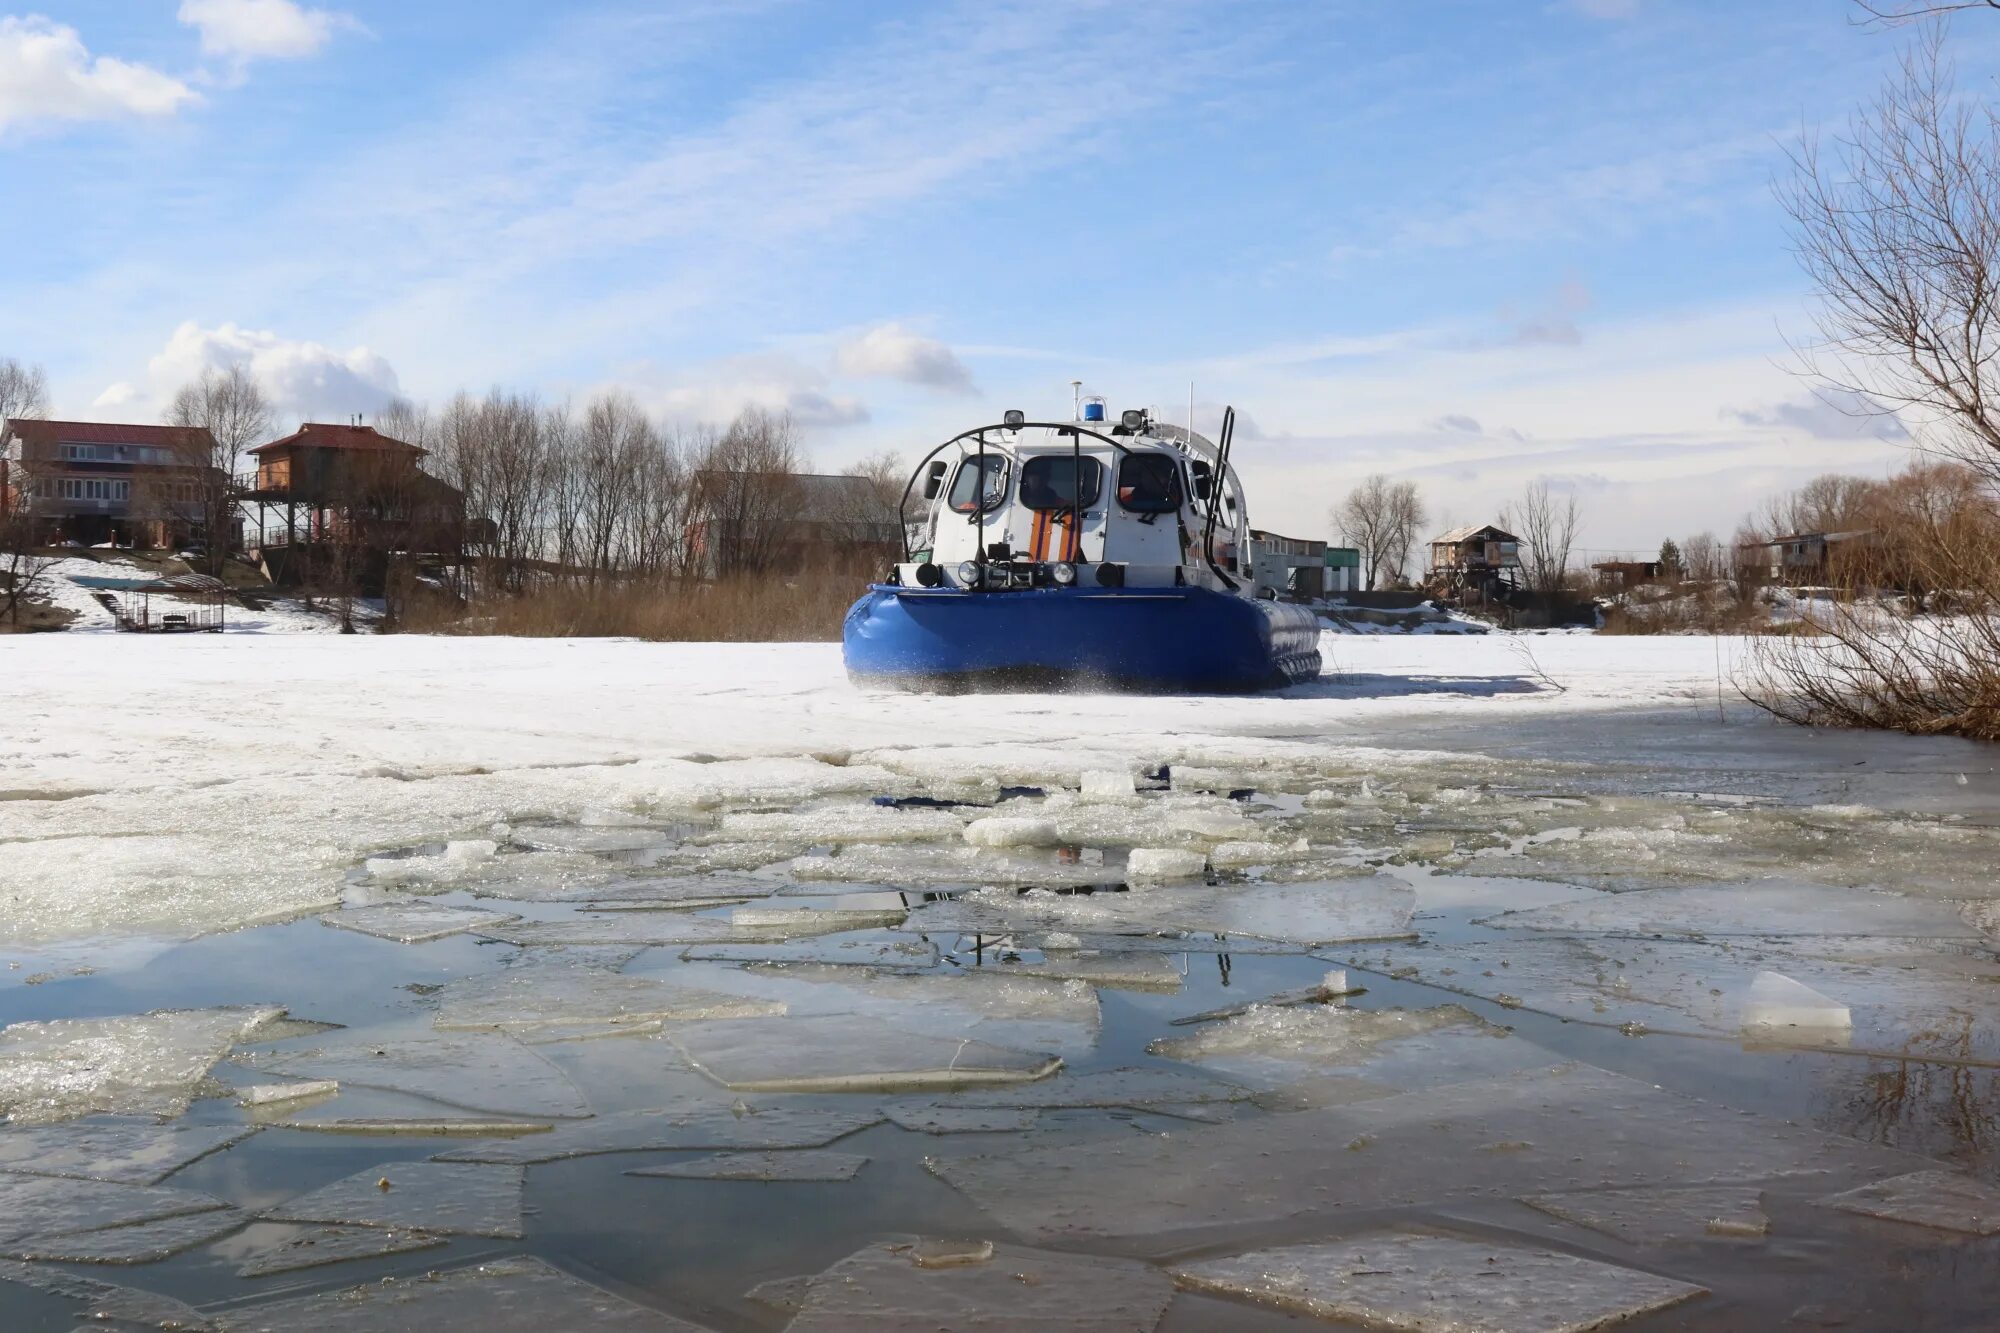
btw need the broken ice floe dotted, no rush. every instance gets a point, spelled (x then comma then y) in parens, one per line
(834, 1054)
(1562, 1130)
(319, 1246)
(502, 1294)
(1945, 1200)
(1417, 1282)
(278, 1094)
(149, 1064)
(455, 862)
(837, 826)
(413, 923)
(128, 1154)
(1759, 908)
(1152, 864)
(1011, 831)
(452, 1198)
(109, 1305)
(718, 1129)
(1120, 971)
(597, 841)
(813, 920)
(54, 1205)
(962, 1119)
(1405, 1048)
(794, 1167)
(1108, 785)
(1777, 1003)
(916, 955)
(133, 1243)
(992, 1003)
(522, 1002)
(1133, 1088)
(904, 1289)
(1661, 1216)
(459, 1127)
(476, 1071)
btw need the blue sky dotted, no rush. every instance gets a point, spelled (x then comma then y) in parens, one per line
(1472, 242)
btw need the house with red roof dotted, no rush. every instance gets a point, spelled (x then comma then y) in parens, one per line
(91, 483)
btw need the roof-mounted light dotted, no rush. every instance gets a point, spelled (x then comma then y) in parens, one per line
(1133, 418)
(1013, 418)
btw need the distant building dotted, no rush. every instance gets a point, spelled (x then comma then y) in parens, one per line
(1294, 566)
(760, 522)
(1809, 558)
(1479, 559)
(93, 482)
(1620, 575)
(351, 493)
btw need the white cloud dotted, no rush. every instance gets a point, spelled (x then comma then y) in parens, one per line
(890, 351)
(302, 379)
(1831, 414)
(46, 73)
(714, 394)
(244, 30)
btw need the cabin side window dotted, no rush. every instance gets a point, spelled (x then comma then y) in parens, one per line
(968, 496)
(1061, 481)
(1149, 483)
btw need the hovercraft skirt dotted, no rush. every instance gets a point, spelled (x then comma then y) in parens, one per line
(1160, 640)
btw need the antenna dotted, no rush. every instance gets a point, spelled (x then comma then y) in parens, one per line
(1076, 400)
(1190, 439)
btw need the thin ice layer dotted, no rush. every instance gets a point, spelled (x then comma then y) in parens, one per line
(452, 1198)
(835, 1054)
(916, 955)
(413, 923)
(476, 1071)
(1542, 1132)
(522, 1001)
(148, 1064)
(501, 1296)
(991, 1003)
(50, 1205)
(714, 1130)
(130, 1154)
(795, 1167)
(316, 1247)
(1778, 1001)
(885, 1290)
(1942, 1199)
(1760, 908)
(1661, 1216)
(1313, 913)
(1439, 1284)
(137, 1243)
(837, 826)
(1135, 1088)
(1121, 971)
(962, 1119)
(1403, 1048)
(434, 1127)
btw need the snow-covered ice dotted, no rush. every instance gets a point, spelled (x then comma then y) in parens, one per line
(147, 1064)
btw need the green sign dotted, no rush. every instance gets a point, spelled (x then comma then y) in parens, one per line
(1342, 557)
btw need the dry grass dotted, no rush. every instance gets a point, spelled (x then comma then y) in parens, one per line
(741, 610)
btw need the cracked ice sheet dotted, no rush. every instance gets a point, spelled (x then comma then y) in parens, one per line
(962, 1119)
(148, 1064)
(503, 1296)
(768, 1166)
(917, 955)
(50, 1205)
(474, 1071)
(716, 1129)
(1916, 1003)
(136, 1153)
(1135, 1088)
(135, 1243)
(1942, 1199)
(522, 1002)
(1543, 1132)
(1375, 907)
(319, 1246)
(118, 1307)
(1758, 908)
(651, 928)
(413, 923)
(1120, 971)
(884, 1290)
(836, 1054)
(1271, 1046)
(1660, 1216)
(449, 1198)
(990, 1004)
(1440, 1284)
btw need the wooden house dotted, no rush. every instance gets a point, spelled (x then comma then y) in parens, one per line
(1479, 559)
(91, 483)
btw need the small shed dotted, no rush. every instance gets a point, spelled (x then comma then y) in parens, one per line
(1619, 575)
(1480, 558)
(1294, 567)
(177, 604)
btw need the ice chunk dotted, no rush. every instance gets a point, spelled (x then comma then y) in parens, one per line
(1121, 971)
(144, 1065)
(413, 923)
(1439, 1283)
(915, 955)
(129, 1154)
(1942, 1199)
(1776, 1001)
(814, 920)
(1135, 1088)
(628, 928)
(118, 1307)
(137, 1243)
(1220, 825)
(1763, 908)
(951, 1253)
(598, 841)
(772, 1166)
(499, 1295)
(1659, 1216)
(886, 1289)
(276, 1094)
(1108, 785)
(712, 1130)
(1567, 1130)
(1334, 987)
(1410, 1047)
(782, 1293)
(419, 1127)
(456, 861)
(1244, 855)
(447, 1197)
(962, 1119)
(607, 817)
(524, 1001)
(1011, 831)
(1158, 863)
(839, 826)
(474, 1071)
(838, 1054)
(1014, 1009)
(316, 1247)
(52, 1205)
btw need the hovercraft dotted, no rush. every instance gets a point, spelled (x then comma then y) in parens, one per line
(1079, 555)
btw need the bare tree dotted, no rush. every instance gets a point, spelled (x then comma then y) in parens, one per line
(1381, 518)
(1702, 559)
(1547, 524)
(1896, 13)
(747, 502)
(24, 390)
(231, 407)
(21, 563)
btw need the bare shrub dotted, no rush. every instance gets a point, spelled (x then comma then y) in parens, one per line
(742, 609)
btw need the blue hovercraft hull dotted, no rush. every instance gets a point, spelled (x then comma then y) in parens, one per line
(1158, 640)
